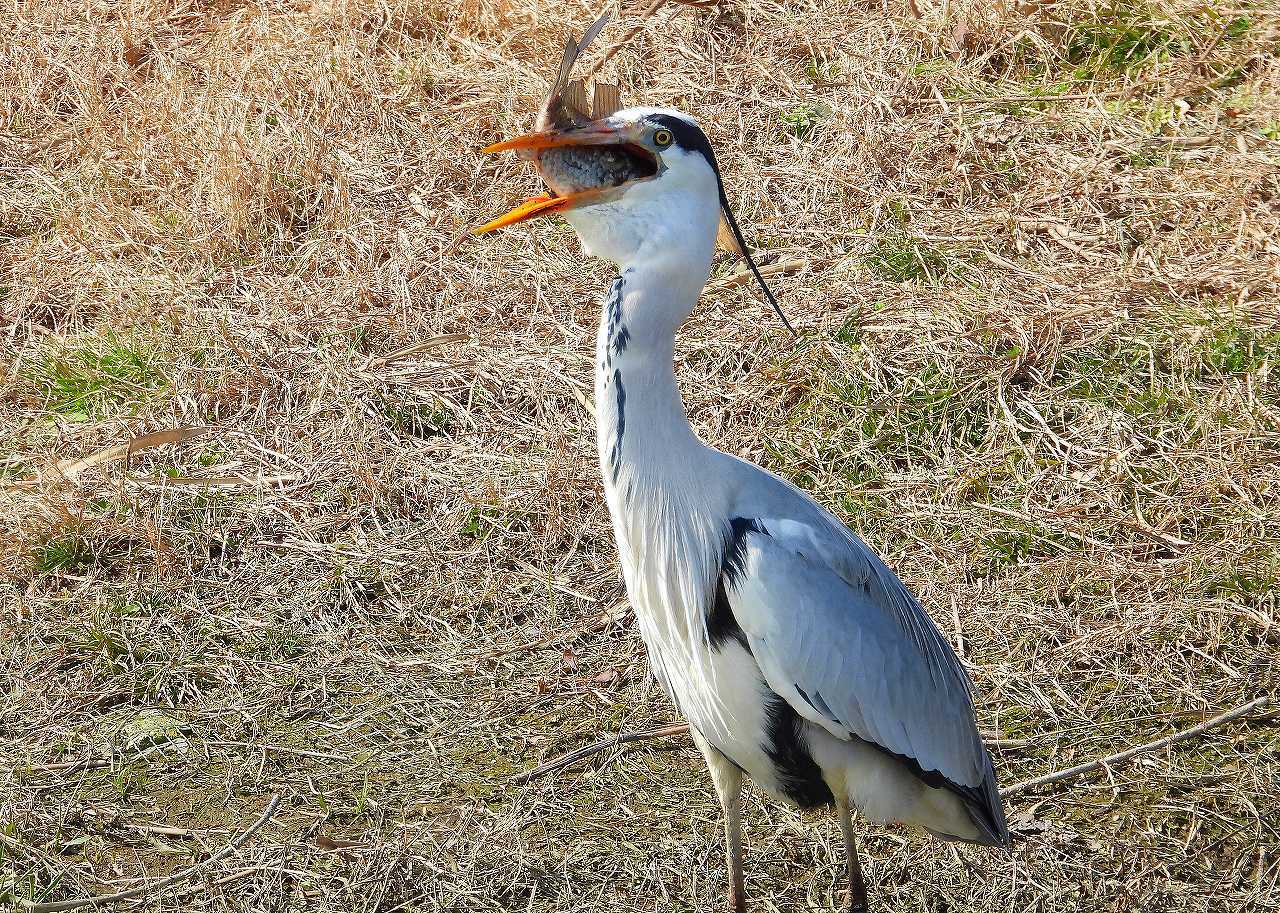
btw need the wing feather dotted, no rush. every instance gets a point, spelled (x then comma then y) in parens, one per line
(840, 638)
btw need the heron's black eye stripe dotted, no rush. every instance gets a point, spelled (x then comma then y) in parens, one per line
(687, 136)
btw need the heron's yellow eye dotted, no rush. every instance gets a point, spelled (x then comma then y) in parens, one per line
(662, 137)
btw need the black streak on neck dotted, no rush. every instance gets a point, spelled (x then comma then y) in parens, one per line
(614, 307)
(621, 393)
(616, 338)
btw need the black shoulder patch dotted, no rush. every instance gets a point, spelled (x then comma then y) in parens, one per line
(735, 548)
(721, 625)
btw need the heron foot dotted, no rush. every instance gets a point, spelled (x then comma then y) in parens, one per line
(856, 905)
(857, 899)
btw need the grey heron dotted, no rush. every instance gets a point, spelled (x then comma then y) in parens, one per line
(797, 656)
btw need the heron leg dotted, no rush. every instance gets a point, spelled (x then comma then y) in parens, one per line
(857, 902)
(727, 778)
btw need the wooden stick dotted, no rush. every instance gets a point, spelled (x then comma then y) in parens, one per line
(74, 767)
(587, 750)
(662, 732)
(58, 906)
(771, 269)
(1168, 740)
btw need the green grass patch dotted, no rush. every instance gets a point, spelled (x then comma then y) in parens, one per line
(62, 554)
(1155, 372)
(884, 430)
(1125, 35)
(898, 257)
(419, 419)
(801, 120)
(1235, 350)
(1074, 50)
(1122, 37)
(821, 72)
(1237, 28)
(482, 522)
(1015, 544)
(103, 639)
(1033, 97)
(97, 375)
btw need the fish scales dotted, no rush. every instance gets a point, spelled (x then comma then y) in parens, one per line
(572, 169)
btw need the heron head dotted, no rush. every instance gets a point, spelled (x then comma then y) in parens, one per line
(639, 182)
(624, 181)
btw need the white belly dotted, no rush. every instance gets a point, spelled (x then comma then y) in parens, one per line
(738, 730)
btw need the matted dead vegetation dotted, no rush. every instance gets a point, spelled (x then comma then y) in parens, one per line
(1040, 335)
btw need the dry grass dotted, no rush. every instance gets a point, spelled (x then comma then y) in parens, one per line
(1041, 340)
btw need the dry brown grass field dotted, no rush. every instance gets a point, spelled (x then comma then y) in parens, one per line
(1035, 266)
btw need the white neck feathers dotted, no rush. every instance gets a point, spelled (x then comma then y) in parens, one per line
(641, 426)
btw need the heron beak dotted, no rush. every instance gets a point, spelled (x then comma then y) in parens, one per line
(598, 133)
(543, 205)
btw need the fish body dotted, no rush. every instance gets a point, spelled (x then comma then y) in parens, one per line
(572, 169)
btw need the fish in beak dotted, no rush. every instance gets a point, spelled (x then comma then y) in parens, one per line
(582, 156)
(583, 165)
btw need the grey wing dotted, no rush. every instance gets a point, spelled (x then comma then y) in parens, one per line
(839, 637)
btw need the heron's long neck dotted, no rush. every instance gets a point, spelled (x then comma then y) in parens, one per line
(660, 481)
(641, 427)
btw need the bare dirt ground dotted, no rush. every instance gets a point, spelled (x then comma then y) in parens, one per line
(1034, 262)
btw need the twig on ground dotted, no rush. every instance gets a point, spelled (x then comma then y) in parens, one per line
(225, 879)
(77, 766)
(145, 889)
(587, 750)
(1185, 734)
(674, 729)
(160, 829)
(283, 749)
(662, 732)
(772, 269)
